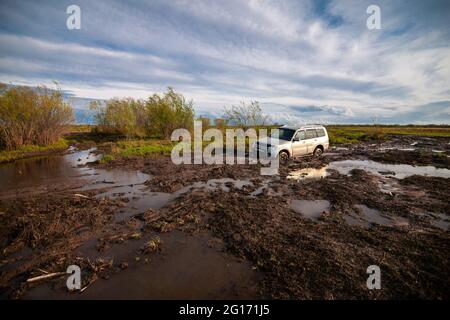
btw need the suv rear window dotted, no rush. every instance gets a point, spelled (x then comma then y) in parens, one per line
(311, 133)
(320, 132)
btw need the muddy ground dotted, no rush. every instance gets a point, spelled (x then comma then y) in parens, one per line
(201, 231)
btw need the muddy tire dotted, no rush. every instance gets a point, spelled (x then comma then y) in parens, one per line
(318, 152)
(283, 156)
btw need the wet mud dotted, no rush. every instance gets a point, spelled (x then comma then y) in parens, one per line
(146, 228)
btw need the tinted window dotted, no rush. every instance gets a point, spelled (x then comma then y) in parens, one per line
(300, 135)
(311, 133)
(285, 134)
(320, 132)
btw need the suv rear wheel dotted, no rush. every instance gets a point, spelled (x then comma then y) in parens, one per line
(318, 151)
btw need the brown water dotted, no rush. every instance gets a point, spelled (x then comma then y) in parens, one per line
(51, 172)
(186, 268)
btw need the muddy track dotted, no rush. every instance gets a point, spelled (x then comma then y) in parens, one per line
(256, 224)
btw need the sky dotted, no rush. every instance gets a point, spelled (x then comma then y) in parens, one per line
(304, 61)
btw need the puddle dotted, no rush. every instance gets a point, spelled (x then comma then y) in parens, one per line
(397, 148)
(70, 172)
(399, 171)
(310, 209)
(308, 173)
(186, 268)
(367, 217)
(339, 148)
(66, 169)
(441, 221)
(223, 183)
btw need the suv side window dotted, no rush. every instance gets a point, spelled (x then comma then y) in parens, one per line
(300, 135)
(320, 132)
(311, 134)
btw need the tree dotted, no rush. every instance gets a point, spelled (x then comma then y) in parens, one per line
(246, 115)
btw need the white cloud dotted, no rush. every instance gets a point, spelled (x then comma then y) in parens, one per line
(278, 52)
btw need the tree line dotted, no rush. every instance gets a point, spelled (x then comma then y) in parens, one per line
(40, 116)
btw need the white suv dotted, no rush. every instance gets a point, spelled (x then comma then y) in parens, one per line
(295, 141)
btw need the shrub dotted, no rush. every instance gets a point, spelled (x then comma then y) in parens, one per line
(32, 116)
(167, 113)
(156, 116)
(120, 116)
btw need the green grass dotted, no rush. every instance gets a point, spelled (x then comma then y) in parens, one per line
(142, 148)
(32, 150)
(341, 134)
(107, 158)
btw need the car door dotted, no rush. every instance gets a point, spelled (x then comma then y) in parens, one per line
(311, 140)
(299, 147)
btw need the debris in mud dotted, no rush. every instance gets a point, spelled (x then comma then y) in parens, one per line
(154, 244)
(42, 231)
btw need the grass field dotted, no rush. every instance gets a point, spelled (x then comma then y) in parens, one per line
(341, 134)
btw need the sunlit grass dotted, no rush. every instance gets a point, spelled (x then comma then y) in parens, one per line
(141, 148)
(32, 150)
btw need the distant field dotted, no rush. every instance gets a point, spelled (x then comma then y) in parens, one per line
(340, 134)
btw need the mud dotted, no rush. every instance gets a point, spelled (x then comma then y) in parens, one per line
(309, 233)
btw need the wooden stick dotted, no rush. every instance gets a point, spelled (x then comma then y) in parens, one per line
(81, 195)
(46, 276)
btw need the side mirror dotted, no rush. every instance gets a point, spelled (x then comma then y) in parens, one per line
(296, 138)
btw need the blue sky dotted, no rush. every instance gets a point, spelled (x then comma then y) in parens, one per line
(305, 61)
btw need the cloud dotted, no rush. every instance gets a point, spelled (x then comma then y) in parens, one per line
(307, 54)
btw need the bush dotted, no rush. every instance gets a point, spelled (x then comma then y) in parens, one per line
(32, 116)
(156, 116)
(167, 113)
(120, 116)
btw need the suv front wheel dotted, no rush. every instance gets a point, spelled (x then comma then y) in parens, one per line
(318, 151)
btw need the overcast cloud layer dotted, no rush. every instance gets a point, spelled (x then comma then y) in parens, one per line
(305, 61)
